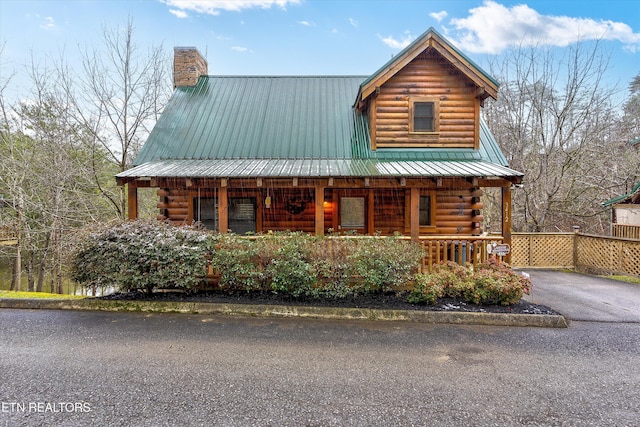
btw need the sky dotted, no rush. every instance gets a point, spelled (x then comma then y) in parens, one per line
(315, 37)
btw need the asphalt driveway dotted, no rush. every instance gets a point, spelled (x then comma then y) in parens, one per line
(586, 298)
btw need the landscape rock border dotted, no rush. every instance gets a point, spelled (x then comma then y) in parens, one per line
(267, 310)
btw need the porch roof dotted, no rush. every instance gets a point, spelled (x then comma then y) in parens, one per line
(316, 168)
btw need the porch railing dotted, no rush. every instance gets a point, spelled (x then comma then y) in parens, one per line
(462, 250)
(459, 249)
(7, 234)
(625, 231)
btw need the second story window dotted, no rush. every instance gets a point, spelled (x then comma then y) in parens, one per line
(424, 116)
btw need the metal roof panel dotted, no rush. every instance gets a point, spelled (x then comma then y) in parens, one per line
(315, 168)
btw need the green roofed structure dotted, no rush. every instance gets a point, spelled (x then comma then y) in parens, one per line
(403, 150)
(625, 214)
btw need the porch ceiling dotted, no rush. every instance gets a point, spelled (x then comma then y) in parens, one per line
(316, 168)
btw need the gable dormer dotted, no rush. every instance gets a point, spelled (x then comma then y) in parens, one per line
(427, 96)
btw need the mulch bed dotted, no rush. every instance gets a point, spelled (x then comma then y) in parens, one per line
(375, 301)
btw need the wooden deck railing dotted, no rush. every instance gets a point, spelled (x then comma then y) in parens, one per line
(459, 249)
(626, 231)
(7, 234)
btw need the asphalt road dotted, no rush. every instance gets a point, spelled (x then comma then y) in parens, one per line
(69, 368)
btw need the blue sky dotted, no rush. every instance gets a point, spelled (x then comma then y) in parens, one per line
(317, 37)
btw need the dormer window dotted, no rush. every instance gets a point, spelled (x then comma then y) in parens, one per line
(424, 115)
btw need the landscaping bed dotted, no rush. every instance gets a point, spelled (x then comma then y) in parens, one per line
(390, 301)
(143, 260)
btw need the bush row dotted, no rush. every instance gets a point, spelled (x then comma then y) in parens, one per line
(490, 283)
(140, 255)
(146, 255)
(299, 264)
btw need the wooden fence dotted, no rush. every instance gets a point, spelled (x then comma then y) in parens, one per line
(582, 252)
(542, 250)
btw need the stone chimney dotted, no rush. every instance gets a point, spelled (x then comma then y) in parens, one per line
(188, 66)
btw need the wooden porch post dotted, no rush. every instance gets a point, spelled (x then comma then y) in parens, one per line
(132, 201)
(414, 213)
(319, 210)
(506, 219)
(371, 228)
(223, 211)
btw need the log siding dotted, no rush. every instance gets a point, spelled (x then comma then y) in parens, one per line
(456, 208)
(427, 77)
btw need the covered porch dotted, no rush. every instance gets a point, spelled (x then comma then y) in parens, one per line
(441, 207)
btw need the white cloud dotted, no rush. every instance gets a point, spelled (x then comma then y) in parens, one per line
(239, 49)
(48, 24)
(492, 27)
(438, 16)
(178, 13)
(214, 7)
(395, 43)
(306, 23)
(353, 22)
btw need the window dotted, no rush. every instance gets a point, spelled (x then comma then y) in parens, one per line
(205, 210)
(425, 211)
(352, 212)
(424, 116)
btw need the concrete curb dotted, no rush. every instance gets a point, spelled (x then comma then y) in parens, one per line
(467, 318)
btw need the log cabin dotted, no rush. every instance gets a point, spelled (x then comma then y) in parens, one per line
(403, 150)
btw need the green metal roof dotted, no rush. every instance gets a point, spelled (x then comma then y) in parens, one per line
(316, 168)
(289, 126)
(260, 118)
(636, 188)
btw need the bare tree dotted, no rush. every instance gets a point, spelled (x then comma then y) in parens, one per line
(61, 148)
(631, 109)
(556, 122)
(119, 96)
(10, 182)
(49, 171)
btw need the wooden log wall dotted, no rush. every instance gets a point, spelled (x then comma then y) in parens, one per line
(175, 206)
(430, 76)
(277, 218)
(457, 212)
(389, 213)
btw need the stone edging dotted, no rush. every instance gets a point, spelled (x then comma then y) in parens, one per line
(265, 310)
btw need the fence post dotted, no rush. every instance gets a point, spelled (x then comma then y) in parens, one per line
(576, 230)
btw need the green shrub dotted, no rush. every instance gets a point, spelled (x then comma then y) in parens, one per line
(239, 263)
(426, 290)
(335, 272)
(490, 283)
(144, 255)
(141, 255)
(452, 278)
(385, 264)
(497, 284)
(290, 269)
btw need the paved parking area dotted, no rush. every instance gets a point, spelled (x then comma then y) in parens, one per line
(581, 297)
